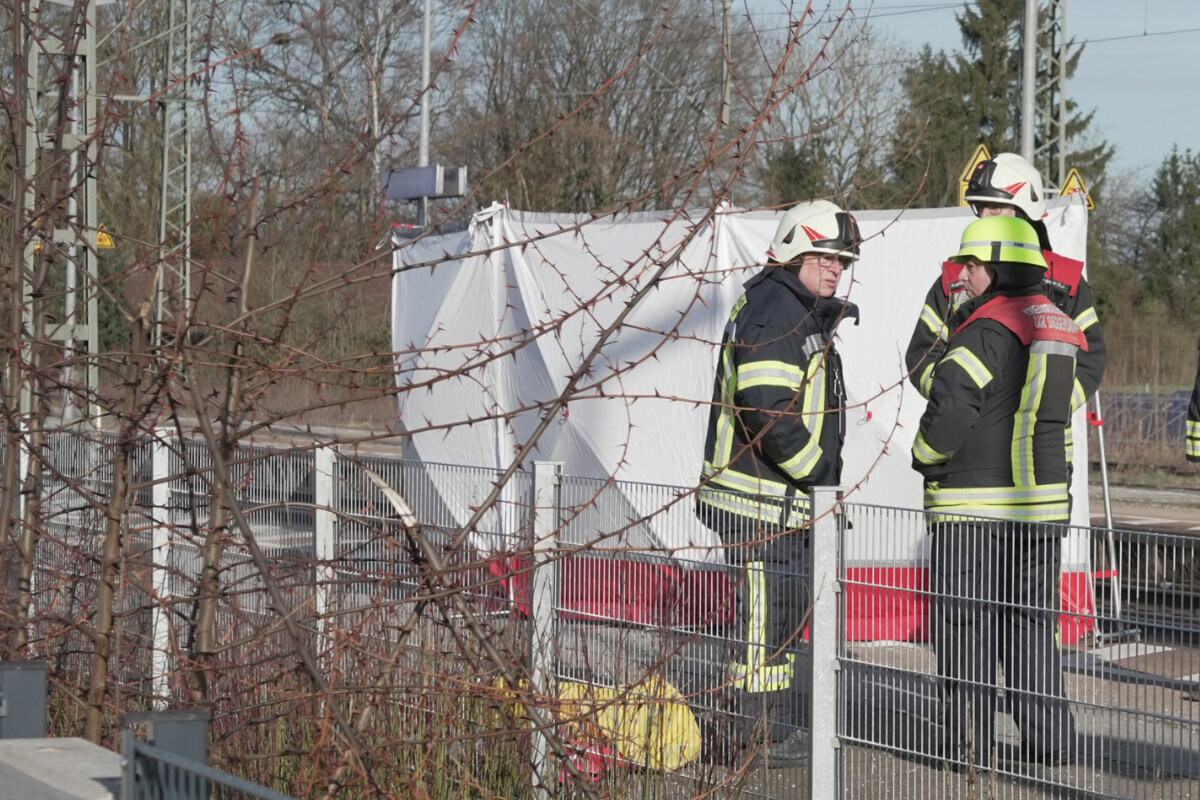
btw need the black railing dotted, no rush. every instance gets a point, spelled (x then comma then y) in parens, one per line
(152, 773)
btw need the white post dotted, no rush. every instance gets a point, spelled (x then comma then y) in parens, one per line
(1061, 57)
(325, 529)
(426, 91)
(546, 478)
(825, 630)
(160, 511)
(1029, 79)
(24, 458)
(22, 470)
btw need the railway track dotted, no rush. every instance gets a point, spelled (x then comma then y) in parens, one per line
(1160, 613)
(1157, 566)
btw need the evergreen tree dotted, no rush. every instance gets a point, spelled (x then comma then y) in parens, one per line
(956, 102)
(799, 171)
(1172, 272)
(933, 141)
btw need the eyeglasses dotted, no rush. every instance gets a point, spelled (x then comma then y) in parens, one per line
(828, 260)
(986, 209)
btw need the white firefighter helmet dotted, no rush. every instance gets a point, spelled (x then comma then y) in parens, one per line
(815, 227)
(1010, 180)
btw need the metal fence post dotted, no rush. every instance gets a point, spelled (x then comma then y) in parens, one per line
(325, 530)
(22, 469)
(825, 631)
(21, 500)
(181, 733)
(542, 600)
(160, 565)
(184, 733)
(129, 766)
(23, 699)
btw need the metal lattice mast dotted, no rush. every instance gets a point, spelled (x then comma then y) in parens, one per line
(174, 275)
(59, 203)
(1051, 113)
(1044, 90)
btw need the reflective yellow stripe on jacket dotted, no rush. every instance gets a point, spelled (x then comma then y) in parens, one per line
(749, 496)
(1048, 503)
(971, 363)
(802, 463)
(769, 496)
(1087, 318)
(933, 320)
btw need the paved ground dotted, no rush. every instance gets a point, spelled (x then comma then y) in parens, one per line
(1135, 705)
(1146, 508)
(1137, 740)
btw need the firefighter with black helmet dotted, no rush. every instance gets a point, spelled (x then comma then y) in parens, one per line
(991, 446)
(775, 430)
(1008, 185)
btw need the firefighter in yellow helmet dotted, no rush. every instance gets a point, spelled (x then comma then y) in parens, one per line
(775, 430)
(991, 447)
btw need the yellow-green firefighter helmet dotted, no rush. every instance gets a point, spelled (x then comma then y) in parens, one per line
(1001, 240)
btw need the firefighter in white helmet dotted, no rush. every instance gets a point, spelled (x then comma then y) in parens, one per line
(775, 430)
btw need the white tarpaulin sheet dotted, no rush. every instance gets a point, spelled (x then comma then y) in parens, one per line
(623, 315)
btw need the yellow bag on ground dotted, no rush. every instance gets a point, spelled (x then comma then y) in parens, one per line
(647, 724)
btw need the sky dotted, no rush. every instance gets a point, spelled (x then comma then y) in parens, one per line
(1140, 69)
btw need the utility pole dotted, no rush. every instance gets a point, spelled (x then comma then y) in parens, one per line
(58, 207)
(424, 181)
(426, 92)
(53, 302)
(726, 55)
(173, 278)
(1029, 79)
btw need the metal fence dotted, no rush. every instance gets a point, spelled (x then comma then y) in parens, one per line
(624, 609)
(1145, 417)
(152, 773)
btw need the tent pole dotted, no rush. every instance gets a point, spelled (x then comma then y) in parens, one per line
(1114, 571)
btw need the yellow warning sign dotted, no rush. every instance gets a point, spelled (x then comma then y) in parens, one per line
(104, 239)
(1074, 185)
(981, 155)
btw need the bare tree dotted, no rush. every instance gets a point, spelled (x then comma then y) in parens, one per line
(396, 662)
(828, 139)
(320, 86)
(585, 106)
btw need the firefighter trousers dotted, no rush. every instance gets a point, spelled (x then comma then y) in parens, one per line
(996, 601)
(769, 659)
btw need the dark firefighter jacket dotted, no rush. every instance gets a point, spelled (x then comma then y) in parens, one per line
(1193, 421)
(777, 420)
(1064, 284)
(992, 440)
